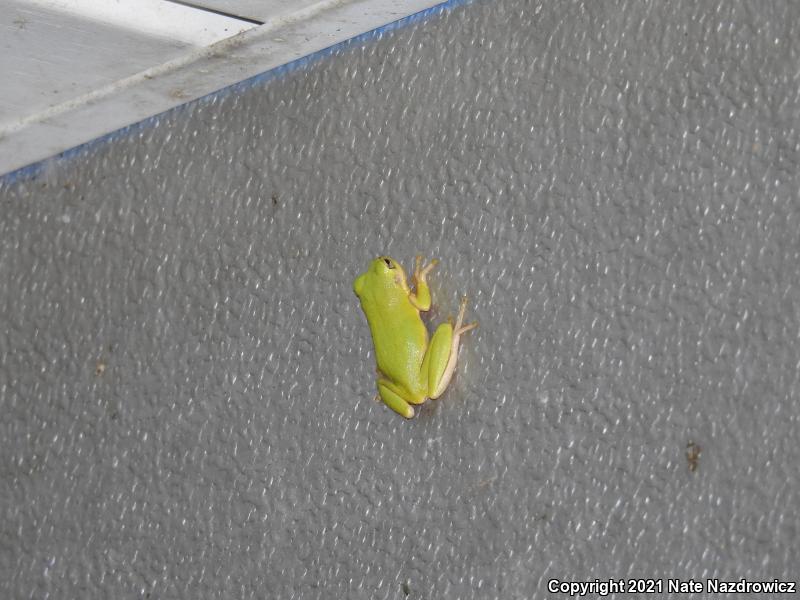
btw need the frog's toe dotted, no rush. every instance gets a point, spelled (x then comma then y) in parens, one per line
(420, 271)
(462, 309)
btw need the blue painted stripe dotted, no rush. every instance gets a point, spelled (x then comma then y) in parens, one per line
(33, 170)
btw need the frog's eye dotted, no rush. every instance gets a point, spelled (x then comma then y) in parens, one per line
(388, 262)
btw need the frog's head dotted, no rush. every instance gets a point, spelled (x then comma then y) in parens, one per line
(389, 270)
(384, 272)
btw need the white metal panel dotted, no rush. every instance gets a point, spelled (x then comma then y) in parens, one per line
(49, 57)
(54, 53)
(261, 10)
(189, 73)
(157, 18)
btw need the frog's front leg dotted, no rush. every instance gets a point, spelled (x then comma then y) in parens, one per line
(421, 297)
(440, 359)
(392, 395)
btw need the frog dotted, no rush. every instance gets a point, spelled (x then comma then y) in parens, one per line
(413, 367)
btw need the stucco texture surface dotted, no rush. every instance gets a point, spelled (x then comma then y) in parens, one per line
(187, 379)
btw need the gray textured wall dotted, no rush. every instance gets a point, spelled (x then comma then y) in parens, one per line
(186, 377)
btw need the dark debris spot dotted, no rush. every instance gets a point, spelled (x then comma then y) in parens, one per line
(693, 455)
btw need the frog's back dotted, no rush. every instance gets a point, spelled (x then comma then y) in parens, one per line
(400, 338)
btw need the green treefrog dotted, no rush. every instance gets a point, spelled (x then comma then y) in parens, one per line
(411, 369)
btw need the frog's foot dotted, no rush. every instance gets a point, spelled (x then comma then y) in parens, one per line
(450, 367)
(420, 272)
(421, 298)
(459, 327)
(393, 400)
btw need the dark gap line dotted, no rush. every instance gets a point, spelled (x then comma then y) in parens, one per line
(221, 13)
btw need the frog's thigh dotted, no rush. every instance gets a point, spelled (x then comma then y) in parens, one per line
(391, 395)
(439, 361)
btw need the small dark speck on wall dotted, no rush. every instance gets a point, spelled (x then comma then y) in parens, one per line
(693, 456)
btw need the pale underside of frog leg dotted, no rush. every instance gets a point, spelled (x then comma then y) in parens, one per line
(442, 354)
(394, 397)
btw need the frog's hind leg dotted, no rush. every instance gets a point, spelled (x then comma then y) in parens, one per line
(391, 397)
(443, 351)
